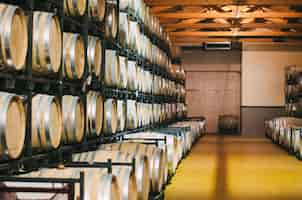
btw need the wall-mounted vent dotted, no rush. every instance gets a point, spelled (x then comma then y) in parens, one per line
(218, 46)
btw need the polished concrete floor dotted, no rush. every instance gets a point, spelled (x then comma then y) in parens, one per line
(236, 168)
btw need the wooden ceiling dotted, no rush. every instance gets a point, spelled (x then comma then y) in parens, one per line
(192, 22)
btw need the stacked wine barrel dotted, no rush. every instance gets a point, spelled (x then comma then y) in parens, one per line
(80, 89)
(293, 91)
(286, 132)
(156, 155)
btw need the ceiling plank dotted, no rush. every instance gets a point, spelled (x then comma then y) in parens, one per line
(159, 9)
(221, 2)
(199, 15)
(171, 27)
(236, 34)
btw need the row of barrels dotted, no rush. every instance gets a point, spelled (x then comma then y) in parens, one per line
(178, 72)
(56, 121)
(287, 132)
(144, 13)
(154, 164)
(293, 91)
(97, 11)
(125, 73)
(50, 46)
(131, 37)
(293, 77)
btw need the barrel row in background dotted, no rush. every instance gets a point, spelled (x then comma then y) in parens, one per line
(72, 119)
(156, 153)
(293, 91)
(287, 133)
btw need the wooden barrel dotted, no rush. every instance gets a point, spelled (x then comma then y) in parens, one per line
(111, 22)
(94, 55)
(73, 56)
(143, 175)
(97, 9)
(47, 126)
(75, 7)
(73, 119)
(13, 36)
(172, 148)
(124, 34)
(126, 175)
(146, 138)
(132, 75)
(110, 116)
(47, 43)
(125, 4)
(121, 115)
(157, 161)
(132, 120)
(133, 29)
(228, 124)
(112, 68)
(94, 119)
(98, 185)
(12, 125)
(123, 76)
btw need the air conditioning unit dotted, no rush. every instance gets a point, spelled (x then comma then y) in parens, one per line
(218, 46)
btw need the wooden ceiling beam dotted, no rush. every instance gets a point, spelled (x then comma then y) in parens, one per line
(199, 15)
(159, 9)
(171, 27)
(199, 41)
(222, 2)
(235, 34)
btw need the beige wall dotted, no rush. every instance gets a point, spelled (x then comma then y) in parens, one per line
(213, 84)
(263, 73)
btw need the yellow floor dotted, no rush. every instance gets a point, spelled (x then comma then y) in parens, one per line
(235, 168)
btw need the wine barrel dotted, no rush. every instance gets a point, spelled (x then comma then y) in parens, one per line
(124, 34)
(132, 75)
(95, 107)
(73, 56)
(12, 125)
(132, 120)
(292, 72)
(123, 62)
(157, 161)
(296, 140)
(98, 185)
(112, 68)
(133, 29)
(171, 147)
(158, 142)
(14, 37)
(111, 22)
(94, 55)
(121, 115)
(75, 7)
(126, 175)
(46, 122)
(97, 9)
(73, 119)
(47, 43)
(228, 124)
(143, 178)
(110, 116)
